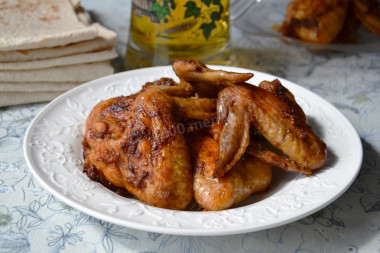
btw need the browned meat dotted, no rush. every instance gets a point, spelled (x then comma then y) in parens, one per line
(249, 175)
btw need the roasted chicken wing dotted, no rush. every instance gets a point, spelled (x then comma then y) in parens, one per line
(241, 106)
(248, 175)
(105, 126)
(315, 21)
(326, 21)
(206, 82)
(133, 143)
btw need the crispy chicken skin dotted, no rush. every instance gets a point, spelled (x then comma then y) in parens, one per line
(275, 87)
(105, 126)
(315, 21)
(241, 106)
(133, 143)
(248, 175)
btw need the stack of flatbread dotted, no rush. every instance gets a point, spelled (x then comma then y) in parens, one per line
(48, 47)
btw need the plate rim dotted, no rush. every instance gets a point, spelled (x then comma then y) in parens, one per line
(184, 231)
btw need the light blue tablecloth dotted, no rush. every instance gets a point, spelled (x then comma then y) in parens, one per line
(32, 220)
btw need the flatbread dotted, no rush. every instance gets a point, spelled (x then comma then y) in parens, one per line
(61, 61)
(71, 73)
(29, 24)
(35, 87)
(17, 98)
(106, 39)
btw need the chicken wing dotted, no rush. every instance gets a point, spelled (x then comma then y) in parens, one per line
(241, 106)
(133, 143)
(104, 127)
(368, 12)
(315, 21)
(248, 175)
(205, 81)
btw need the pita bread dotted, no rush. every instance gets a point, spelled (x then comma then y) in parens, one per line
(106, 39)
(71, 73)
(61, 61)
(29, 24)
(17, 98)
(35, 87)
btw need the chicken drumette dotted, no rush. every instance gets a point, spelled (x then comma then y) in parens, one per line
(132, 142)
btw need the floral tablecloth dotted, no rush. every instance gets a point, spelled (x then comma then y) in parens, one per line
(33, 220)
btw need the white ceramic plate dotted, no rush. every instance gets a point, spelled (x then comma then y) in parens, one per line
(53, 152)
(260, 18)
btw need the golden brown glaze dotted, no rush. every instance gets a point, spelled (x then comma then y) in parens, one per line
(249, 175)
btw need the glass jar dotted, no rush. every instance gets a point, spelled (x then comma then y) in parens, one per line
(162, 31)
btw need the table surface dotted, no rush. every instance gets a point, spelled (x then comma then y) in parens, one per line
(33, 220)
